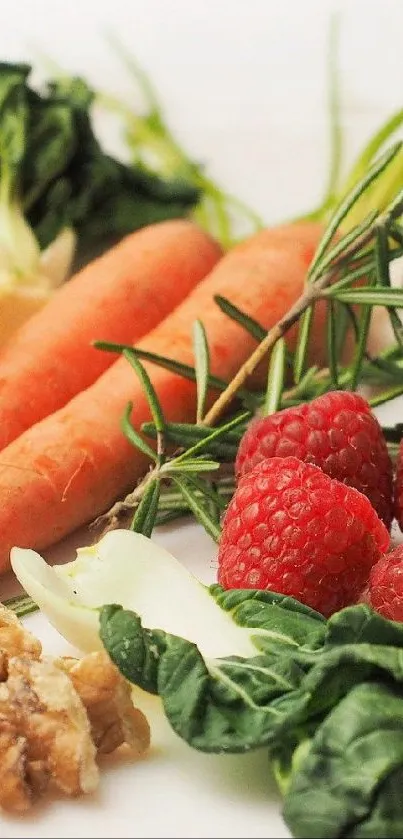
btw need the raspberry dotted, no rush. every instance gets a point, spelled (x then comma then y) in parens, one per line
(292, 529)
(398, 500)
(337, 432)
(385, 586)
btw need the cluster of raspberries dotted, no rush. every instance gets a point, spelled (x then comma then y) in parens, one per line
(312, 511)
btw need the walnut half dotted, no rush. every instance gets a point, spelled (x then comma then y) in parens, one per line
(55, 715)
(50, 726)
(107, 697)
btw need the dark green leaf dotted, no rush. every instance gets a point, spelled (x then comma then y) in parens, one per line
(167, 516)
(198, 508)
(186, 434)
(332, 344)
(249, 324)
(135, 651)
(210, 495)
(203, 444)
(144, 518)
(148, 387)
(351, 756)
(134, 437)
(207, 705)
(279, 619)
(359, 350)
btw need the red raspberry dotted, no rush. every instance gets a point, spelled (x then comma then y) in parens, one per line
(398, 500)
(337, 432)
(385, 586)
(292, 529)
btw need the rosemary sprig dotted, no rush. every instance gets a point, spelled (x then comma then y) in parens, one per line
(322, 274)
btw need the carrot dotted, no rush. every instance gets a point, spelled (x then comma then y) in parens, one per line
(70, 467)
(120, 296)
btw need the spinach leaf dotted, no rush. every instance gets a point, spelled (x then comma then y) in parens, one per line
(341, 787)
(361, 625)
(385, 818)
(278, 619)
(325, 697)
(216, 705)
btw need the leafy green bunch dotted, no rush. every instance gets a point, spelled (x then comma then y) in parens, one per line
(55, 174)
(324, 697)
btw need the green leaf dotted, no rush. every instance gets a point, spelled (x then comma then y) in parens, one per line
(215, 434)
(278, 618)
(359, 351)
(152, 398)
(202, 367)
(340, 785)
(152, 512)
(144, 518)
(304, 333)
(249, 324)
(167, 516)
(275, 378)
(198, 509)
(369, 296)
(134, 437)
(207, 705)
(130, 647)
(212, 495)
(186, 435)
(332, 344)
(350, 276)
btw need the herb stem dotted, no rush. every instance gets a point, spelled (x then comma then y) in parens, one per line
(311, 293)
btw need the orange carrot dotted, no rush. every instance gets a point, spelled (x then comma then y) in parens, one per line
(70, 467)
(119, 297)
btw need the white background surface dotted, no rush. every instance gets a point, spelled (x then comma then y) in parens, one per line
(244, 85)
